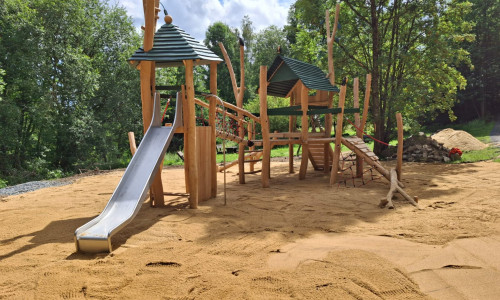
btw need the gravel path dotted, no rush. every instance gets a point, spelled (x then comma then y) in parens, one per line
(495, 133)
(32, 186)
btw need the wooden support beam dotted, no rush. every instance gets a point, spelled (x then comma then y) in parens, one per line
(255, 155)
(218, 109)
(230, 69)
(150, 21)
(305, 130)
(131, 141)
(328, 133)
(399, 165)
(190, 125)
(185, 117)
(212, 123)
(338, 136)
(367, 101)
(266, 159)
(251, 132)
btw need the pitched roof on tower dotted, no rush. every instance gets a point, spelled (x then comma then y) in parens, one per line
(172, 45)
(285, 72)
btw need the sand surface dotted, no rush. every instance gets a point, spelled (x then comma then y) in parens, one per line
(296, 239)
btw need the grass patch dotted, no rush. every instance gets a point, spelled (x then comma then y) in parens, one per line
(480, 155)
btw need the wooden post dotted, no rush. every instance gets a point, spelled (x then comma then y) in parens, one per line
(241, 129)
(212, 123)
(357, 122)
(304, 101)
(131, 141)
(204, 176)
(329, 40)
(328, 133)
(190, 129)
(291, 128)
(338, 135)
(251, 132)
(185, 117)
(367, 101)
(399, 165)
(266, 143)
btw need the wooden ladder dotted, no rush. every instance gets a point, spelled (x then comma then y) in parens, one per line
(317, 156)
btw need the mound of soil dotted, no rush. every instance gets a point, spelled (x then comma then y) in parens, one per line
(460, 139)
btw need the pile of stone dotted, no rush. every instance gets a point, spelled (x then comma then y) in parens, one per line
(420, 148)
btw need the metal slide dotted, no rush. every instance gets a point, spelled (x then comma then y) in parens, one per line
(126, 201)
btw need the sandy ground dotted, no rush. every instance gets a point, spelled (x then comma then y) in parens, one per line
(296, 239)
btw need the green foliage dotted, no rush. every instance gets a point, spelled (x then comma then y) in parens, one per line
(481, 98)
(3, 183)
(267, 42)
(220, 32)
(70, 96)
(276, 123)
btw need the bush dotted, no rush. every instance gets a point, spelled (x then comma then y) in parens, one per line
(3, 183)
(276, 123)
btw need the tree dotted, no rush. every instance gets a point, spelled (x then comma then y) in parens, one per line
(265, 50)
(70, 95)
(411, 48)
(220, 32)
(481, 98)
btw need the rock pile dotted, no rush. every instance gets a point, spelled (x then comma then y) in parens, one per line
(420, 148)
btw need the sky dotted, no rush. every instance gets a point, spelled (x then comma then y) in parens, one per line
(194, 16)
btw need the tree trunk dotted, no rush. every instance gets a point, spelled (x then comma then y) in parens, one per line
(377, 111)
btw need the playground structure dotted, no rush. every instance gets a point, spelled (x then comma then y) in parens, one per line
(310, 91)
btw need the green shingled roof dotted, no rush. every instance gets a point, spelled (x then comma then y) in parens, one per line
(172, 45)
(285, 72)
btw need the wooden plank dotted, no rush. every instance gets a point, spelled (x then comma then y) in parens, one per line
(203, 138)
(190, 125)
(266, 143)
(234, 163)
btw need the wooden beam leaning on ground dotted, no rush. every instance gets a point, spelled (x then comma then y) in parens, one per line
(393, 188)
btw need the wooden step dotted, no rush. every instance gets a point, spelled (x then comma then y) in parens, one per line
(252, 160)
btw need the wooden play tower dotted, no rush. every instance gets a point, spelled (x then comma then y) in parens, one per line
(170, 46)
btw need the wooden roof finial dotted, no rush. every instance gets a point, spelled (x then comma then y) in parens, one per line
(168, 19)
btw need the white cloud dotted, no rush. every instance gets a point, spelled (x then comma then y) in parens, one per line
(194, 16)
